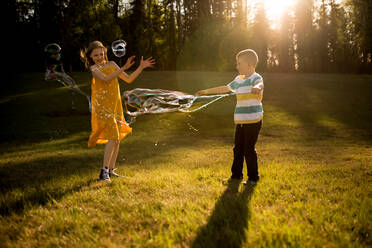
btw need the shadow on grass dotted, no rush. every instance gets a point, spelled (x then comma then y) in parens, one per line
(38, 197)
(227, 225)
(50, 176)
(36, 182)
(315, 99)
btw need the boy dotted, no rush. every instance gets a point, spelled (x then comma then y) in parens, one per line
(248, 86)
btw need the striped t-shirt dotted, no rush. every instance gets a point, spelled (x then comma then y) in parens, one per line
(248, 106)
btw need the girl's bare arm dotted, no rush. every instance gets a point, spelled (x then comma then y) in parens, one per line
(97, 73)
(143, 64)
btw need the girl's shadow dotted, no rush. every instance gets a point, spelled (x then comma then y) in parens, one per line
(228, 223)
(39, 197)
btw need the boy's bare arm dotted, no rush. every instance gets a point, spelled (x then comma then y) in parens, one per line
(217, 90)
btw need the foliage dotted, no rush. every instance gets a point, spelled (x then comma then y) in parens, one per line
(313, 35)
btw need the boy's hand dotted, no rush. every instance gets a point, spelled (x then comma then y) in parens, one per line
(256, 90)
(129, 63)
(200, 93)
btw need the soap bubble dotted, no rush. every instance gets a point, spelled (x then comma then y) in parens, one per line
(54, 71)
(53, 58)
(118, 48)
(53, 51)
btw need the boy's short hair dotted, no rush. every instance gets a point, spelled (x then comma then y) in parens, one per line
(249, 55)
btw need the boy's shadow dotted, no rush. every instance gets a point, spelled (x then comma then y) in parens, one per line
(227, 225)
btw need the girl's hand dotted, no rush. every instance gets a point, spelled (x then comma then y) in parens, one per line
(147, 63)
(129, 63)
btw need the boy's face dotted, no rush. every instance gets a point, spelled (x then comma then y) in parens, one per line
(243, 66)
(98, 56)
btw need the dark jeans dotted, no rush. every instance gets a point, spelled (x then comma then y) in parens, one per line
(245, 140)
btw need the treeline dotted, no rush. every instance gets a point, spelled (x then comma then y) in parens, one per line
(313, 36)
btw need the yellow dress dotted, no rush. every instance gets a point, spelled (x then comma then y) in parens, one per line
(108, 121)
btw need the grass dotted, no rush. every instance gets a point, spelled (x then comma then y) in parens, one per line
(315, 157)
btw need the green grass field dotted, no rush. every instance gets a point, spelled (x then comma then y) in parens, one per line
(315, 162)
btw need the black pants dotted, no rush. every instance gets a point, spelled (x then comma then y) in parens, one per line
(245, 140)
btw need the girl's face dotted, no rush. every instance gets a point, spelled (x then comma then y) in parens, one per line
(98, 56)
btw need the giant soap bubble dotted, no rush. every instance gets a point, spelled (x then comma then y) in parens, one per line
(153, 101)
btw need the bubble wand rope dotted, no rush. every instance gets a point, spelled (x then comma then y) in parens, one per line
(208, 103)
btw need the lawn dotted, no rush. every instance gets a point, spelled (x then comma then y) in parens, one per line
(315, 162)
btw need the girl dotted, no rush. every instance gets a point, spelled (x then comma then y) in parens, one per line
(108, 123)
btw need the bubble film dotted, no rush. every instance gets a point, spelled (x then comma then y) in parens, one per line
(53, 51)
(118, 48)
(68, 82)
(153, 101)
(54, 71)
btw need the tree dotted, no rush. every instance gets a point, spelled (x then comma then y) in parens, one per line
(260, 31)
(320, 47)
(285, 44)
(321, 35)
(362, 29)
(303, 30)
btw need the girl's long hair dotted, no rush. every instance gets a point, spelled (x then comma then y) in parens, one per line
(85, 53)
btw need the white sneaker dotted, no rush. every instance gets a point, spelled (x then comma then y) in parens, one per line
(250, 182)
(113, 173)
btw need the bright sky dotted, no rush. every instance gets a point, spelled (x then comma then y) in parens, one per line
(274, 9)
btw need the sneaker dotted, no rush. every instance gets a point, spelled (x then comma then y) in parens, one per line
(104, 175)
(113, 173)
(250, 183)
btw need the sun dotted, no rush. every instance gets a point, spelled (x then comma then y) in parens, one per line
(274, 8)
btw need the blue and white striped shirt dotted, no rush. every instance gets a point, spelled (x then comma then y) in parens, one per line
(248, 106)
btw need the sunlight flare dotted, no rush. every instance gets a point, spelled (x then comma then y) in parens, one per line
(274, 9)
